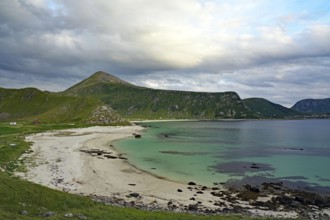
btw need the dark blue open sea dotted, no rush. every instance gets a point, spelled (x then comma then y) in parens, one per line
(296, 152)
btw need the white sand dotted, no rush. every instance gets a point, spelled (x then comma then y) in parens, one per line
(58, 163)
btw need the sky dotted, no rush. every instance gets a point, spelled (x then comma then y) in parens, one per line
(278, 50)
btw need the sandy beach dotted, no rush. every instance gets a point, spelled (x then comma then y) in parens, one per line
(83, 161)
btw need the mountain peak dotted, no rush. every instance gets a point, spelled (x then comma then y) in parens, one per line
(94, 80)
(103, 77)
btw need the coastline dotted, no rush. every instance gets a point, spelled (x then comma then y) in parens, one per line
(83, 161)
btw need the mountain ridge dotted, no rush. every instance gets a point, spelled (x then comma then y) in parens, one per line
(312, 105)
(267, 109)
(103, 98)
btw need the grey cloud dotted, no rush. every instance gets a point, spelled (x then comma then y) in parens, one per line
(162, 44)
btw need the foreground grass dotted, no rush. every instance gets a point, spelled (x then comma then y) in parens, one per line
(17, 195)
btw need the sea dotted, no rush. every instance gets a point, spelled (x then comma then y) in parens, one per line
(296, 152)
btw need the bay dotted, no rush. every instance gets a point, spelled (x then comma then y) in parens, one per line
(208, 152)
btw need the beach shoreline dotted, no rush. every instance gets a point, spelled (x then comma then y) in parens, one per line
(83, 161)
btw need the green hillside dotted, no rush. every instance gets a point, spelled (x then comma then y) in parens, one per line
(266, 109)
(144, 103)
(105, 99)
(313, 106)
(33, 104)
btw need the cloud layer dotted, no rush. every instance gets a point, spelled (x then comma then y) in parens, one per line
(279, 50)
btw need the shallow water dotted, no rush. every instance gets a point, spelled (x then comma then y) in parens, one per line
(210, 152)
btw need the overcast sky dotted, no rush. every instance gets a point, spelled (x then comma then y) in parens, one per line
(278, 50)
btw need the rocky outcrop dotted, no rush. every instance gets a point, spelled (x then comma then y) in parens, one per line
(104, 115)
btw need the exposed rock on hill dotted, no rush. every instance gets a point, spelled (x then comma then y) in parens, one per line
(104, 115)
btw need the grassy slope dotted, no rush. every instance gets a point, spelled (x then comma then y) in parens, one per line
(17, 195)
(267, 109)
(32, 104)
(138, 102)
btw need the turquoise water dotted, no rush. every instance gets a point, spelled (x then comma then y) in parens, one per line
(210, 152)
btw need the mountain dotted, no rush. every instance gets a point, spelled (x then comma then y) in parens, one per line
(313, 106)
(267, 109)
(135, 102)
(105, 99)
(94, 83)
(33, 104)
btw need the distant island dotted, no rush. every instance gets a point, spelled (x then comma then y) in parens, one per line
(105, 99)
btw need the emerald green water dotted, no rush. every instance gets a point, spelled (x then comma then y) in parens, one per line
(210, 152)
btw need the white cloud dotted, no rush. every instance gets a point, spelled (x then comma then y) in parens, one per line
(252, 47)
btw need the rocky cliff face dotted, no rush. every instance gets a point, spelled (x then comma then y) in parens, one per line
(313, 106)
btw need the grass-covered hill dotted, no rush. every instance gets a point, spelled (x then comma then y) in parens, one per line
(35, 105)
(131, 101)
(266, 109)
(313, 106)
(106, 99)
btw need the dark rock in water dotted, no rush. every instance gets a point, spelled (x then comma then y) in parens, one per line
(254, 166)
(192, 198)
(199, 192)
(131, 184)
(204, 188)
(191, 184)
(294, 148)
(240, 167)
(137, 136)
(179, 190)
